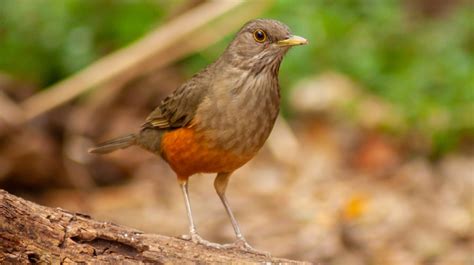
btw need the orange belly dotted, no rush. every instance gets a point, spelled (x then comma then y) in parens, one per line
(188, 154)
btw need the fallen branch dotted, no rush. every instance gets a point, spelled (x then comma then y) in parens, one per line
(30, 233)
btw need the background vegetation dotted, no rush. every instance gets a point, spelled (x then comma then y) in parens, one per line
(419, 59)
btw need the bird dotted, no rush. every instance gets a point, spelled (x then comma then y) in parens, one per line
(219, 119)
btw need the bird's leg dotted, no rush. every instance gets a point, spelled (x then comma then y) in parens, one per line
(220, 184)
(187, 202)
(193, 235)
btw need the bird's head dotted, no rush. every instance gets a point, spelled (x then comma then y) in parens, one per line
(261, 43)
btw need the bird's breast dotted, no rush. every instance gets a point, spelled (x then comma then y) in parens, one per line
(187, 153)
(239, 114)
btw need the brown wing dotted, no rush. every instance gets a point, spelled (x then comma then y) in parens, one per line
(178, 109)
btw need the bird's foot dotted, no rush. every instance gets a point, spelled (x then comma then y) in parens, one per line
(240, 244)
(195, 238)
(243, 245)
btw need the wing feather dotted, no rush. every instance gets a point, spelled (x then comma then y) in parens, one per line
(178, 109)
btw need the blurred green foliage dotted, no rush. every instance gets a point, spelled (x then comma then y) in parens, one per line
(46, 40)
(424, 66)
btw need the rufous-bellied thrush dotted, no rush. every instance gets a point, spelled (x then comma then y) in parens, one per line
(219, 119)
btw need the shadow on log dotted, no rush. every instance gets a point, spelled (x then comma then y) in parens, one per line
(30, 233)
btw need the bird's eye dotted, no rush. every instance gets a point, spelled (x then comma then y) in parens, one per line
(259, 35)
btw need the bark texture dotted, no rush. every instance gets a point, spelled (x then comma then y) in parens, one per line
(30, 233)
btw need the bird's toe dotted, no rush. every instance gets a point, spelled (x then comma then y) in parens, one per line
(243, 245)
(196, 238)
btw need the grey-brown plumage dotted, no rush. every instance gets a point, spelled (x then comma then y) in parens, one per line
(222, 116)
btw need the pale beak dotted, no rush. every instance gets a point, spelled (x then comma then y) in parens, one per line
(292, 41)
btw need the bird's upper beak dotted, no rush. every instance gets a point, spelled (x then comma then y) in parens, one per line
(292, 41)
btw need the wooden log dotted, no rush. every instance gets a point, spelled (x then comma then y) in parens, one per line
(30, 233)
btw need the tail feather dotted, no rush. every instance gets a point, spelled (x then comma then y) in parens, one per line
(114, 144)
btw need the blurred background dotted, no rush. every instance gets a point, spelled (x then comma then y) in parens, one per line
(371, 161)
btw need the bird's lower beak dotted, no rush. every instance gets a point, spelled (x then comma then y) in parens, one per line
(292, 41)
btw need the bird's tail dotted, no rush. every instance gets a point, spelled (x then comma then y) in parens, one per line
(114, 144)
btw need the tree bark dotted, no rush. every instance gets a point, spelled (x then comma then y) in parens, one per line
(30, 233)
